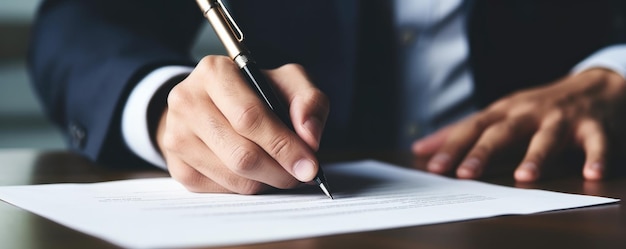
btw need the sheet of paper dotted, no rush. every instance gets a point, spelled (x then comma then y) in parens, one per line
(370, 195)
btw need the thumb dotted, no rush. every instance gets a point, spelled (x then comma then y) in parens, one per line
(308, 106)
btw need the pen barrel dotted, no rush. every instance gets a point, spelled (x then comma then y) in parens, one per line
(259, 83)
(226, 30)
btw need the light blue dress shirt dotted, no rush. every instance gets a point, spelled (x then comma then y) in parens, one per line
(436, 82)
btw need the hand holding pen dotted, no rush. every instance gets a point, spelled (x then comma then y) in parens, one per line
(218, 135)
(232, 37)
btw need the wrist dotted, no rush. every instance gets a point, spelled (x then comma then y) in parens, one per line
(601, 78)
(157, 107)
(138, 116)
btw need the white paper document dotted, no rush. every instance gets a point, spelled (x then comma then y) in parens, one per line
(370, 195)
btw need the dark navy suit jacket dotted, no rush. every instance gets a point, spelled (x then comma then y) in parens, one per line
(86, 56)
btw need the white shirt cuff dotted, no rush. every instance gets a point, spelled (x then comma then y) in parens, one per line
(135, 113)
(611, 57)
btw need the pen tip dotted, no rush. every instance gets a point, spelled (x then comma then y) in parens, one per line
(323, 187)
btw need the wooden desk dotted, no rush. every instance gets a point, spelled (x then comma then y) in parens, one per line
(593, 227)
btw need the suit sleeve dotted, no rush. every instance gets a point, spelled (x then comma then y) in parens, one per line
(86, 56)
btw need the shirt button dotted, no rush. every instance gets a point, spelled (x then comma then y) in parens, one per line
(413, 130)
(407, 36)
(78, 135)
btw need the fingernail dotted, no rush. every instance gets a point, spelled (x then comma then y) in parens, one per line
(418, 146)
(469, 167)
(530, 166)
(314, 126)
(439, 162)
(304, 170)
(594, 170)
(526, 172)
(596, 166)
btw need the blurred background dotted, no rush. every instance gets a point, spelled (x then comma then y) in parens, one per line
(22, 122)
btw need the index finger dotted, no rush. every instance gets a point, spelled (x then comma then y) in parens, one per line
(250, 118)
(460, 139)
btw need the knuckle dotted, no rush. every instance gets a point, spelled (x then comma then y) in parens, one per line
(481, 151)
(288, 183)
(320, 99)
(558, 115)
(504, 128)
(509, 128)
(523, 108)
(479, 124)
(218, 131)
(212, 65)
(173, 142)
(250, 187)
(279, 144)
(244, 160)
(178, 98)
(502, 104)
(214, 61)
(194, 187)
(244, 186)
(250, 119)
(558, 119)
(188, 177)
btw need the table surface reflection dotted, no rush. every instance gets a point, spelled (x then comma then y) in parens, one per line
(593, 227)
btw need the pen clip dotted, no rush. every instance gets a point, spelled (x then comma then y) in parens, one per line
(225, 28)
(231, 22)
